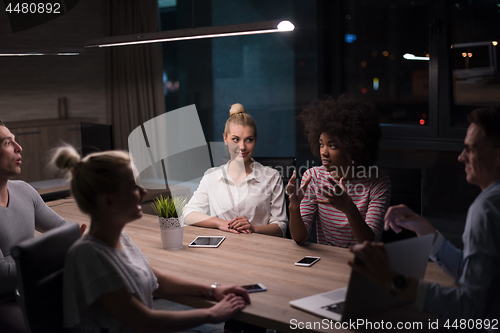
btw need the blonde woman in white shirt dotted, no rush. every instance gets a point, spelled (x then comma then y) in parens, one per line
(241, 196)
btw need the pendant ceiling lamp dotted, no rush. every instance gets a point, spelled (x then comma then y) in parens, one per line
(194, 33)
(27, 15)
(40, 52)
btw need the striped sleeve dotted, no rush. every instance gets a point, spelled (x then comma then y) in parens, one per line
(307, 206)
(380, 197)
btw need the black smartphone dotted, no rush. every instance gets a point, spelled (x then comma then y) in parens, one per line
(253, 288)
(307, 261)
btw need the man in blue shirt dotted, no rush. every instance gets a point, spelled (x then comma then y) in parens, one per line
(476, 269)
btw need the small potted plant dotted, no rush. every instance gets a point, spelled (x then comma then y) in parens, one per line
(169, 211)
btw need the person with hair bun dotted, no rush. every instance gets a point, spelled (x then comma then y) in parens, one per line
(346, 197)
(108, 284)
(241, 196)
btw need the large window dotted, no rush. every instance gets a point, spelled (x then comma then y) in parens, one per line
(475, 32)
(258, 71)
(386, 58)
(404, 56)
(425, 64)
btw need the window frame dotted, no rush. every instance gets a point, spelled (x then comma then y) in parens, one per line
(440, 134)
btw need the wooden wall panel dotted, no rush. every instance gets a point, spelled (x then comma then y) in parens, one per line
(30, 86)
(37, 143)
(33, 140)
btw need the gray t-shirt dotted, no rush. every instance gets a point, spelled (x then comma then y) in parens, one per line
(24, 213)
(93, 268)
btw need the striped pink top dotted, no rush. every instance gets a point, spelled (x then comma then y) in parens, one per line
(371, 195)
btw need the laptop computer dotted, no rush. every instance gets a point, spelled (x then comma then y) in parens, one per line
(363, 297)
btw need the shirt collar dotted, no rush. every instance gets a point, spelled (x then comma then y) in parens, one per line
(493, 187)
(256, 173)
(222, 171)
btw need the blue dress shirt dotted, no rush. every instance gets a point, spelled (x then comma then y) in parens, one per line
(476, 269)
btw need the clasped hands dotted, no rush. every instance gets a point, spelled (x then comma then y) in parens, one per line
(239, 224)
(232, 299)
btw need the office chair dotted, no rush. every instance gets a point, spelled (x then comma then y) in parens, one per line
(40, 264)
(406, 189)
(285, 166)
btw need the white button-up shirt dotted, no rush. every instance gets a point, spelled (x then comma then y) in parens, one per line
(259, 198)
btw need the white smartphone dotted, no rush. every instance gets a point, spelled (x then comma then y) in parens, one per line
(207, 241)
(253, 288)
(307, 261)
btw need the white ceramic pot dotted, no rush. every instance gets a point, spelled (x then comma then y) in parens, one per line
(171, 239)
(171, 233)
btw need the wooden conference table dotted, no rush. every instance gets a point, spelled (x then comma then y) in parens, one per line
(248, 259)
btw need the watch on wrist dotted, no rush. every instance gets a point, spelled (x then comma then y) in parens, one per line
(399, 282)
(212, 289)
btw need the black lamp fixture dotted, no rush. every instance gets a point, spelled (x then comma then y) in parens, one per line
(194, 33)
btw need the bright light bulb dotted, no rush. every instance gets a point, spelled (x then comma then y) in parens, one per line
(285, 26)
(409, 56)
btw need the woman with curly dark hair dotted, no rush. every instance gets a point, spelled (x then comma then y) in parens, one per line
(346, 197)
